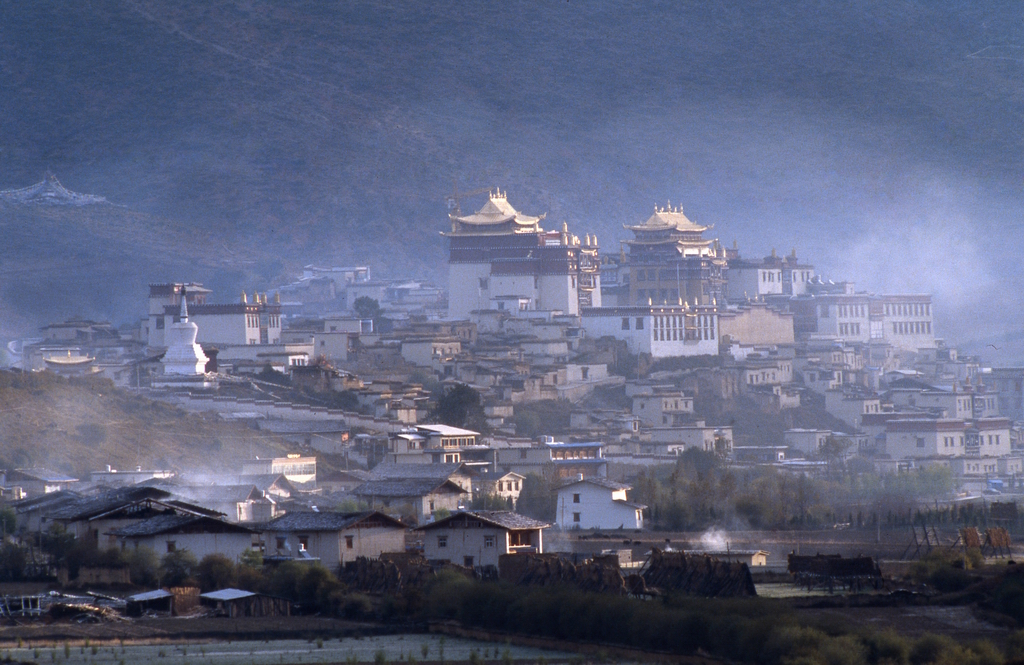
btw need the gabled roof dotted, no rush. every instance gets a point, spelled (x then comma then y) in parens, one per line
(206, 494)
(403, 471)
(407, 488)
(88, 507)
(309, 521)
(600, 482)
(264, 481)
(178, 524)
(503, 519)
(50, 500)
(40, 474)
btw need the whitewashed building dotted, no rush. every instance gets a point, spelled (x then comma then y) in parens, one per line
(597, 503)
(333, 538)
(662, 331)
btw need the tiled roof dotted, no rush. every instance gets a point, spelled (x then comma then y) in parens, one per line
(393, 471)
(264, 481)
(205, 494)
(309, 521)
(406, 487)
(504, 519)
(174, 523)
(88, 507)
(45, 501)
(600, 482)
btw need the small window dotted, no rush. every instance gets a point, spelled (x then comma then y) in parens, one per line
(442, 541)
(488, 541)
(171, 546)
(576, 517)
(522, 454)
(349, 542)
(625, 323)
(639, 323)
(575, 498)
(281, 542)
(467, 561)
(303, 543)
(431, 506)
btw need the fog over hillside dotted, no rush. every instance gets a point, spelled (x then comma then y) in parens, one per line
(881, 140)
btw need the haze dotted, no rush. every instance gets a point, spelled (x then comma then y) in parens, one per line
(882, 141)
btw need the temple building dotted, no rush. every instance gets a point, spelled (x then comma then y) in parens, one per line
(772, 275)
(498, 252)
(241, 323)
(671, 263)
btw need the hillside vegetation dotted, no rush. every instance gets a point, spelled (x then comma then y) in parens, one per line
(81, 425)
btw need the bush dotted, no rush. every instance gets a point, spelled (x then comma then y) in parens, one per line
(143, 566)
(215, 571)
(178, 568)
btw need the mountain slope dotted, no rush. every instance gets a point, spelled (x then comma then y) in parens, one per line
(879, 139)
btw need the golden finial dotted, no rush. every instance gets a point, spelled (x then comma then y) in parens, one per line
(245, 298)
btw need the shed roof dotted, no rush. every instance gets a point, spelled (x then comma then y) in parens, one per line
(227, 594)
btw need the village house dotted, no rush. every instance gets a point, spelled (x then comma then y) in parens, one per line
(36, 481)
(421, 497)
(333, 538)
(478, 538)
(430, 444)
(199, 534)
(667, 408)
(93, 516)
(565, 460)
(298, 469)
(502, 485)
(597, 503)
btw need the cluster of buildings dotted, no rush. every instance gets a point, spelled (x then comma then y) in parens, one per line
(534, 315)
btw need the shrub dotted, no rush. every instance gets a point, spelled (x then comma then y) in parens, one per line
(177, 568)
(215, 571)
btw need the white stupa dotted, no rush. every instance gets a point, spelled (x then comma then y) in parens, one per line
(184, 363)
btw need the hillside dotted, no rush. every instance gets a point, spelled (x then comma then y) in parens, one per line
(873, 137)
(80, 425)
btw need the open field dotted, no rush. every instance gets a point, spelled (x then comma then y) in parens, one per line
(381, 648)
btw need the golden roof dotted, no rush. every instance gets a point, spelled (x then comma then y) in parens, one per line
(668, 219)
(497, 210)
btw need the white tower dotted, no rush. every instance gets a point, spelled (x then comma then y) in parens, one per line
(184, 357)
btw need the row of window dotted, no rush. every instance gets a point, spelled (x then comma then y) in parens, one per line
(456, 442)
(849, 328)
(851, 311)
(912, 328)
(442, 541)
(770, 275)
(908, 309)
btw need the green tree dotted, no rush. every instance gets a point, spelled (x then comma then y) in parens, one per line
(216, 571)
(366, 307)
(178, 568)
(460, 406)
(143, 566)
(537, 498)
